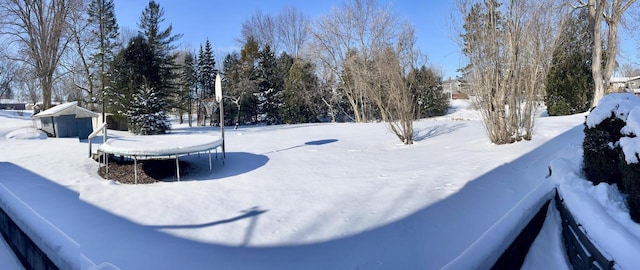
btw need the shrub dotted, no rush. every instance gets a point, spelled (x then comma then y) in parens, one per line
(602, 133)
(629, 163)
(601, 152)
(630, 173)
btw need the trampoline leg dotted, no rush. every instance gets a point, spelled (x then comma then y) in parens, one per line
(210, 168)
(177, 169)
(106, 162)
(135, 169)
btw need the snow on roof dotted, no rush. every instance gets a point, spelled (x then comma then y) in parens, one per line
(623, 79)
(10, 101)
(620, 104)
(69, 108)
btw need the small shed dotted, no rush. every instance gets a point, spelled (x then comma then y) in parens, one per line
(67, 120)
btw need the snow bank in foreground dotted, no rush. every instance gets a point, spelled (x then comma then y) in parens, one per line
(313, 196)
(547, 251)
(620, 104)
(602, 212)
(45, 234)
(26, 134)
(487, 249)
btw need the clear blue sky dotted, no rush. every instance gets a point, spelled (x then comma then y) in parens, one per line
(221, 22)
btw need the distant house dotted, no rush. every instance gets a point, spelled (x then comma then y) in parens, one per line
(67, 120)
(454, 89)
(633, 85)
(625, 84)
(10, 104)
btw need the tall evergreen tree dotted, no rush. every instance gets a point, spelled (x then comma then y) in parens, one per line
(231, 82)
(104, 28)
(206, 79)
(249, 57)
(134, 68)
(207, 69)
(299, 97)
(187, 86)
(160, 42)
(570, 81)
(270, 84)
(426, 86)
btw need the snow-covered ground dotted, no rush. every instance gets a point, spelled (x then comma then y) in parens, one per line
(312, 196)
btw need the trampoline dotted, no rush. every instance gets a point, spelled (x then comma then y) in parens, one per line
(160, 147)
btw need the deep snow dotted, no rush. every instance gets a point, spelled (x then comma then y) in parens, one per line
(313, 196)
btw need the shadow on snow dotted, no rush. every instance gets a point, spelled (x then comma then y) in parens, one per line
(427, 239)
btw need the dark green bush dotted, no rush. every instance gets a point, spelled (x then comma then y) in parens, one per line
(601, 153)
(631, 183)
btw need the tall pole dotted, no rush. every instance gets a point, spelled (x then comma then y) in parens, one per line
(219, 99)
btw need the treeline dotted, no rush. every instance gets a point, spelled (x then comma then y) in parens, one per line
(345, 66)
(357, 63)
(521, 52)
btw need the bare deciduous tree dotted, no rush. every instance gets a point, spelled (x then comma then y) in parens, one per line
(611, 13)
(38, 28)
(629, 70)
(25, 84)
(346, 39)
(292, 30)
(78, 63)
(394, 99)
(8, 74)
(262, 28)
(369, 53)
(509, 49)
(286, 31)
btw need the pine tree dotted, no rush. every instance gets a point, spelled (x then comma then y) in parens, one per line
(270, 84)
(160, 41)
(232, 70)
(146, 113)
(206, 72)
(570, 81)
(132, 68)
(102, 19)
(426, 86)
(161, 45)
(187, 85)
(207, 69)
(298, 94)
(249, 56)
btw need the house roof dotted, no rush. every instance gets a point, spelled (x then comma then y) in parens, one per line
(70, 108)
(623, 79)
(11, 101)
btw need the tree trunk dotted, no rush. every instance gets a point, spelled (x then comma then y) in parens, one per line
(595, 11)
(46, 84)
(612, 51)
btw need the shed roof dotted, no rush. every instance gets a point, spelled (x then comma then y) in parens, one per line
(69, 108)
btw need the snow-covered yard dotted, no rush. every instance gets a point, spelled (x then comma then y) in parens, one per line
(314, 196)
